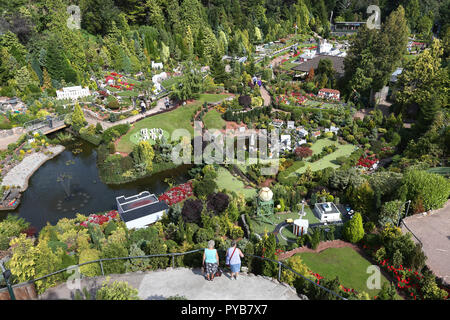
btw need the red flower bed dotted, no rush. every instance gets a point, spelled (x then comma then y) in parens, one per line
(319, 277)
(367, 161)
(177, 194)
(100, 218)
(407, 280)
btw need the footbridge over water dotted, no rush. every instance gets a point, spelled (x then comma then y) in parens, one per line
(46, 125)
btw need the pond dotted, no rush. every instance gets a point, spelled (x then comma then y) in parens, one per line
(45, 200)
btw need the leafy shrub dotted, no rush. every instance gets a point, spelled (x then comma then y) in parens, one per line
(118, 290)
(114, 250)
(110, 227)
(92, 269)
(12, 226)
(203, 235)
(431, 188)
(204, 187)
(218, 202)
(192, 210)
(353, 229)
(236, 232)
(114, 132)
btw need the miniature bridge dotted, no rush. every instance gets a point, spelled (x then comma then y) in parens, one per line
(46, 125)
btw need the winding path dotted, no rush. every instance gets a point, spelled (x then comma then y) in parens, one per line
(160, 106)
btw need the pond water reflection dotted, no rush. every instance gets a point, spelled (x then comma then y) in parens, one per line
(46, 199)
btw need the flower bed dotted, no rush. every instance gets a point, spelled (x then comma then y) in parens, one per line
(405, 279)
(367, 161)
(100, 218)
(177, 194)
(319, 277)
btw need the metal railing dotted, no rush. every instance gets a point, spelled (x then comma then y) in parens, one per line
(41, 123)
(173, 255)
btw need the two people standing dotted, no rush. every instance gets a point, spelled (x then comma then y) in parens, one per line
(211, 260)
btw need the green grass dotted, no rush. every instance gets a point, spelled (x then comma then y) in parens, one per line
(212, 97)
(346, 263)
(225, 180)
(169, 121)
(260, 226)
(131, 93)
(316, 104)
(177, 119)
(213, 120)
(327, 161)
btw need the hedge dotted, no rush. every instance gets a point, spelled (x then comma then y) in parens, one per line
(94, 139)
(111, 133)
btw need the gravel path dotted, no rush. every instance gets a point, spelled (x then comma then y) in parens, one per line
(19, 175)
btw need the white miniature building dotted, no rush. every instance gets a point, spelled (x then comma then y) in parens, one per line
(327, 212)
(140, 210)
(72, 93)
(307, 55)
(302, 132)
(277, 123)
(324, 47)
(291, 125)
(301, 142)
(285, 142)
(332, 129)
(156, 79)
(157, 65)
(300, 227)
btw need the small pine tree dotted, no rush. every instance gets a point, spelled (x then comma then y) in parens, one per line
(353, 229)
(78, 119)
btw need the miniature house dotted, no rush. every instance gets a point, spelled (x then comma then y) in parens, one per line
(72, 93)
(140, 210)
(327, 212)
(300, 227)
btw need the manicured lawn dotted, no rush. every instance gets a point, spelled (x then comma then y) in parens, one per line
(260, 226)
(317, 104)
(225, 180)
(213, 120)
(327, 161)
(346, 263)
(169, 121)
(212, 97)
(131, 93)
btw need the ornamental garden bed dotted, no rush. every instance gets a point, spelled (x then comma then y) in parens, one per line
(177, 194)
